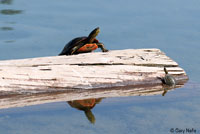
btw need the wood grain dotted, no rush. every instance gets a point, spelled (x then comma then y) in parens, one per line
(142, 69)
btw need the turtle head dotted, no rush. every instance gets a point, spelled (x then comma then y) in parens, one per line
(166, 72)
(93, 35)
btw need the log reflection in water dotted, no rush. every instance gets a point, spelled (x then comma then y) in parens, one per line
(8, 100)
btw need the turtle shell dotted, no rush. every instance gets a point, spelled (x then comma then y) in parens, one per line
(169, 80)
(80, 43)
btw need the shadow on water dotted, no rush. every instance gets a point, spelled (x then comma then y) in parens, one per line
(86, 106)
(6, 28)
(7, 2)
(8, 12)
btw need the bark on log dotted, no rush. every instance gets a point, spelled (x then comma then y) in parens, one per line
(70, 76)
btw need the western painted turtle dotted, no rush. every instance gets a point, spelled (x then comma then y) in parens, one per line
(83, 44)
(169, 79)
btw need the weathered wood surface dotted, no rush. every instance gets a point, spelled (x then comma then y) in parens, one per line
(66, 77)
(87, 71)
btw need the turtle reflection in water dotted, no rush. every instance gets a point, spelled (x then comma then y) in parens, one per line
(86, 106)
(83, 44)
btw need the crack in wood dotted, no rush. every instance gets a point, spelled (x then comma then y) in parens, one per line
(46, 69)
(37, 65)
(97, 64)
(155, 65)
(147, 65)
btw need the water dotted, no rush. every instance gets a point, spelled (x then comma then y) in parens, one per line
(37, 28)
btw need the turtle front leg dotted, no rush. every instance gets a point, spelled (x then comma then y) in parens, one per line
(101, 45)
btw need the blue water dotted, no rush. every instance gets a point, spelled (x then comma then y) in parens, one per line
(35, 28)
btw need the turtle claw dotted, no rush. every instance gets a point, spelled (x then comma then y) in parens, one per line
(101, 45)
(104, 50)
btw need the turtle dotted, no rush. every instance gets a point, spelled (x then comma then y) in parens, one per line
(84, 44)
(169, 79)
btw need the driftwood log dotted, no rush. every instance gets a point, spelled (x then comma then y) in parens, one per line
(91, 75)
